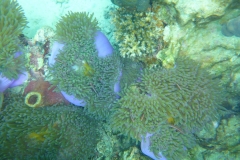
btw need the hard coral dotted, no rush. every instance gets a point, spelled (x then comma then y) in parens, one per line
(170, 104)
(139, 34)
(12, 24)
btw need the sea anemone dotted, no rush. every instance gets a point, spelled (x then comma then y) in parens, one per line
(50, 132)
(83, 65)
(12, 24)
(170, 104)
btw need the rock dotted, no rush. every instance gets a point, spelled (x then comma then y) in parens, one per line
(199, 9)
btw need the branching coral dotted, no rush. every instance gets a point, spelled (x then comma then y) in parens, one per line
(139, 34)
(12, 22)
(55, 132)
(183, 99)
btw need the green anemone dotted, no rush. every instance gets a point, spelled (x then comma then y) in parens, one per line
(78, 70)
(12, 23)
(183, 99)
(50, 132)
(75, 26)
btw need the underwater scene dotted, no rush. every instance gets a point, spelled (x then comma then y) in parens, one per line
(119, 80)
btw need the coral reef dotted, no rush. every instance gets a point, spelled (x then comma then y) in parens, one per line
(56, 132)
(139, 5)
(12, 23)
(220, 141)
(82, 68)
(183, 20)
(139, 34)
(170, 104)
(37, 51)
(200, 11)
(220, 54)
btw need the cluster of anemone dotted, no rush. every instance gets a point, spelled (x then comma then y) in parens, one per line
(170, 105)
(50, 132)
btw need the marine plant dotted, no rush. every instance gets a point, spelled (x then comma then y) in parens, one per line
(12, 23)
(170, 104)
(50, 132)
(79, 70)
(139, 34)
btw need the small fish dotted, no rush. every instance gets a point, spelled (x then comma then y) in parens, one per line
(88, 70)
(38, 136)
